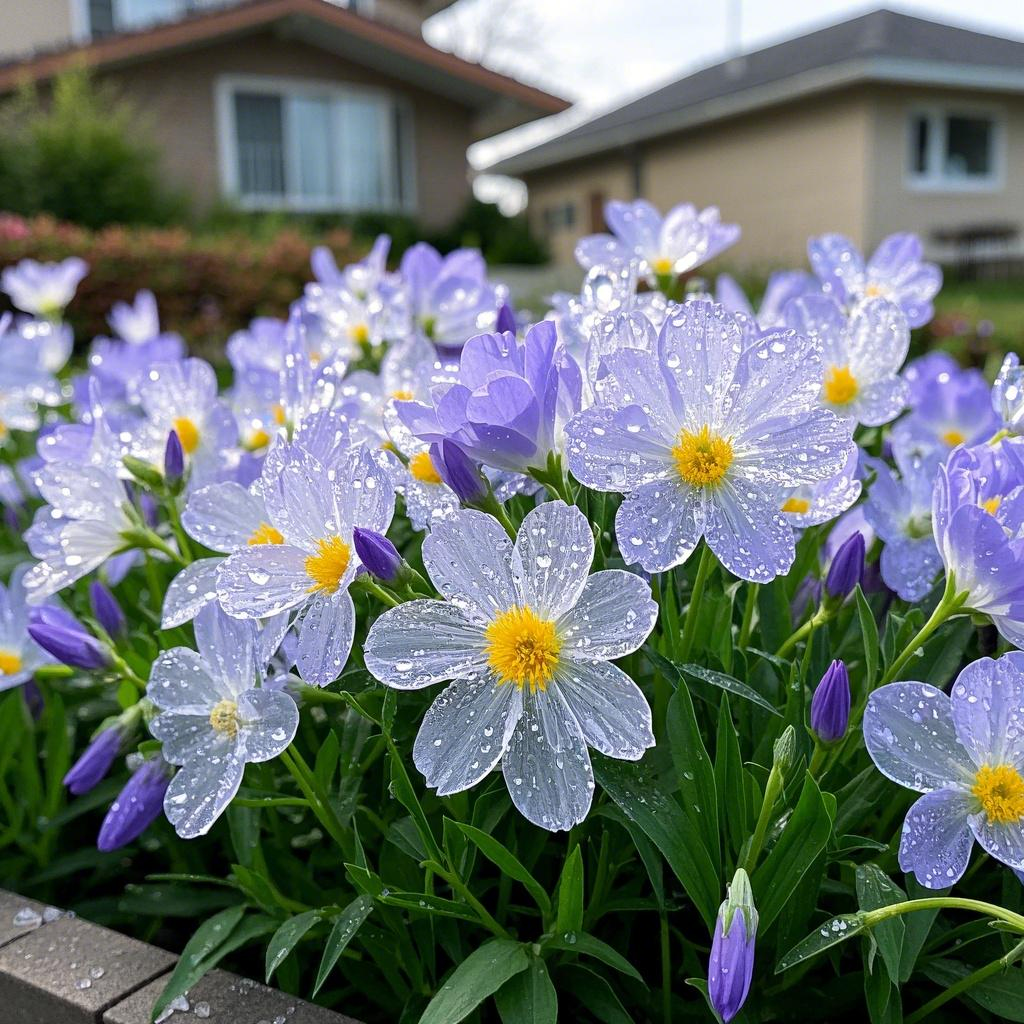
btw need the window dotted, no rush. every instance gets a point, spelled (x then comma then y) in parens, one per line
(954, 150)
(313, 146)
(106, 16)
(559, 217)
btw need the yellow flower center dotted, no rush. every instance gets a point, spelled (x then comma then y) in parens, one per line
(328, 565)
(663, 266)
(315, 358)
(841, 386)
(280, 416)
(1000, 791)
(522, 648)
(953, 438)
(224, 718)
(873, 291)
(402, 395)
(797, 505)
(258, 439)
(360, 334)
(10, 663)
(702, 458)
(3, 430)
(188, 434)
(422, 468)
(265, 534)
(992, 505)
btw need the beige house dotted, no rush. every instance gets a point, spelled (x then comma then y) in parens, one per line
(879, 124)
(302, 105)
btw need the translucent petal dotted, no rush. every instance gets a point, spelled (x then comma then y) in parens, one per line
(908, 730)
(1004, 841)
(468, 559)
(747, 533)
(660, 525)
(609, 707)
(366, 494)
(80, 492)
(465, 732)
(299, 496)
(936, 843)
(613, 617)
(793, 449)
(325, 638)
(269, 720)
(182, 680)
(186, 735)
(228, 646)
(193, 587)
(910, 566)
(551, 558)
(200, 792)
(547, 768)
(420, 643)
(263, 580)
(616, 450)
(223, 516)
(988, 709)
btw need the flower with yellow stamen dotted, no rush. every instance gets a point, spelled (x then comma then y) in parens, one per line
(522, 648)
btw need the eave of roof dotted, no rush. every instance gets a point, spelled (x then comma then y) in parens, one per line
(208, 26)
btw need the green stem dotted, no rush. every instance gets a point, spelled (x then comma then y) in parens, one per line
(772, 790)
(382, 595)
(948, 606)
(706, 564)
(922, 1012)
(873, 917)
(748, 615)
(271, 801)
(666, 969)
(293, 761)
(821, 616)
(459, 886)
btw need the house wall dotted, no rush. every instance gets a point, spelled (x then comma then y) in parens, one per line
(33, 25)
(896, 206)
(782, 175)
(174, 97)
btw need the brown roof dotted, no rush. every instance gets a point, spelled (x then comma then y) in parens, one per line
(208, 25)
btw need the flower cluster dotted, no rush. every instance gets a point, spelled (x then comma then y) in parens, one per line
(558, 526)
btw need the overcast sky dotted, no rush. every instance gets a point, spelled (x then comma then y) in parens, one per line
(603, 52)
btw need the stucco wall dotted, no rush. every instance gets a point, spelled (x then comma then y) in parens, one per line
(33, 24)
(174, 97)
(896, 206)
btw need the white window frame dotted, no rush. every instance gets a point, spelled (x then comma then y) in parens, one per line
(934, 179)
(225, 88)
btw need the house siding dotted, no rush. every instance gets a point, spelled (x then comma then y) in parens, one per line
(175, 100)
(30, 25)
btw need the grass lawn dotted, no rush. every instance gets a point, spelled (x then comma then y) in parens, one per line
(979, 321)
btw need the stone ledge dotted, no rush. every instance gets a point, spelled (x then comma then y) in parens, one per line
(58, 969)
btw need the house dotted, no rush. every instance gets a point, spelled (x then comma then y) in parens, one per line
(300, 105)
(886, 122)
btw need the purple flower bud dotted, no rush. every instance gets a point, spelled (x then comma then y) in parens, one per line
(847, 568)
(136, 806)
(732, 949)
(506, 319)
(106, 609)
(830, 705)
(459, 472)
(174, 458)
(377, 553)
(92, 767)
(62, 635)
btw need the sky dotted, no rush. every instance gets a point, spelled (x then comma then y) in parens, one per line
(601, 53)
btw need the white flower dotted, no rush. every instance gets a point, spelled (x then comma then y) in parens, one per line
(527, 637)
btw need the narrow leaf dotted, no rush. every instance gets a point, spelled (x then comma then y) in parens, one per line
(480, 975)
(287, 936)
(528, 997)
(510, 865)
(346, 924)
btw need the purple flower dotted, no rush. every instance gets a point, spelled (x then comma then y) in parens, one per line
(896, 272)
(1008, 393)
(965, 753)
(812, 504)
(450, 298)
(732, 949)
(137, 806)
(106, 609)
(661, 246)
(458, 471)
(512, 397)
(379, 556)
(830, 705)
(506, 319)
(703, 435)
(63, 636)
(92, 767)
(847, 568)
(977, 518)
(43, 289)
(782, 286)
(174, 458)
(20, 655)
(136, 322)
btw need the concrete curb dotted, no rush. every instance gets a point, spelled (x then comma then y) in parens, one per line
(56, 968)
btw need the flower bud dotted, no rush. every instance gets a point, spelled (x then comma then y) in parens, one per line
(91, 768)
(506, 319)
(732, 949)
(784, 748)
(106, 609)
(62, 635)
(830, 705)
(847, 568)
(377, 553)
(136, 806)
(459, 472)
(174, 458)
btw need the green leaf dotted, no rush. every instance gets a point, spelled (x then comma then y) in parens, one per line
(875, 889)
(327, 760)
(346, 924)
(640, 796)
(826, 935)
(694, 770)
(734, 805)
(594, 992)
(917, 926)
(803, 838)
(882, 997)
(869, 636)
(1002, 994)
(509, 864)
(287, 936)
(480, 975)
(425, 903)
(402, 789)
(587, 945)
(191, 966)
(528, 997)
(570, 894)
(727, 683)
